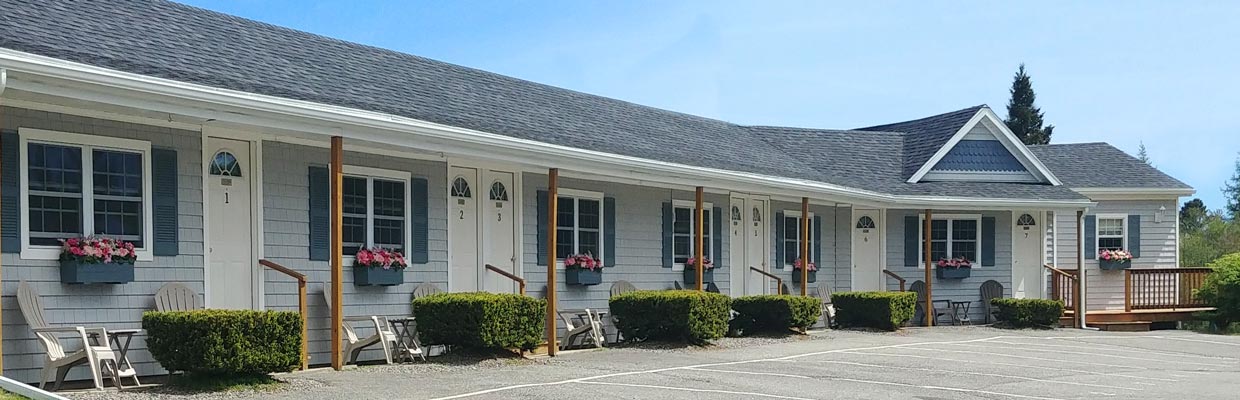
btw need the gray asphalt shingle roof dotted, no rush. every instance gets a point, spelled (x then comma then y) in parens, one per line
(1097, 165)
(183, 43)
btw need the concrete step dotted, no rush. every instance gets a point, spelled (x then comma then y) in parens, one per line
(1134, 326)
(1067, 321)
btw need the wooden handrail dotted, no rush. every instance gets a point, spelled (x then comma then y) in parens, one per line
(1162, 288)
(301, 307)
(779, 282)
(520, 281)
(897, 278)
(1062, 280)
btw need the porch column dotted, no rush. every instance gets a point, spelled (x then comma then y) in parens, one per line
(337, 243)
(1079, 297)
(699, 230)
(553, 209)
(926, 308)
(804, 246)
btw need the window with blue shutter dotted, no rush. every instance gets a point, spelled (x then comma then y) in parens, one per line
(164, 202)
(10, 200)
(319, 181)
(419, 249)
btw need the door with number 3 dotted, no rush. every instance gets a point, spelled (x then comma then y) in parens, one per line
(482, 229)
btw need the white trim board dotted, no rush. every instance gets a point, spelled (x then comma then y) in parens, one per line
(987, 117)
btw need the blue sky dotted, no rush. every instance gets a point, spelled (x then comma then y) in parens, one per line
(1162, 73)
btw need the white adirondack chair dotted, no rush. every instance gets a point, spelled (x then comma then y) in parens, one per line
(828, 308)
(176, 297)
(425, 289)
(97, 356)
(384, 335)
(590, 330)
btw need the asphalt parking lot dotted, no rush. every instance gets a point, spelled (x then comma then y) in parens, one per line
(937, 363)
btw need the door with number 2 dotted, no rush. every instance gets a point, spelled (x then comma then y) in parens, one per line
(482, 229)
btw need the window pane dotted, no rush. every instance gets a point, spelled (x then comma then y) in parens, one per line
(588, 214)
(353, 200)
(682, 221)
(1111, 243)
(968, 250)
(938, 230)
(119, 219)
(566, 212)
(564, 243)
(792, 228)
(54, 168)
(55, 184)
(1110, 227)
(117, 173)
(791, 251)
(589, 243)
(53, 218)
(389, 198)
(938, 250)
(964, 229)
(680, 247)
(353, 233)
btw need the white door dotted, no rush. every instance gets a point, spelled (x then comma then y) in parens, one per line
(750, 246)
(463, 246)
(1027, 255)
(499, 230)
(230, 277)
(739, 261)
(867, 251)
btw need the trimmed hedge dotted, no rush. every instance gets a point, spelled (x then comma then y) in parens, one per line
(481, 320)
(1028, 313)
(775, 313)
(674, 315)
(224, 342)
(879, 310)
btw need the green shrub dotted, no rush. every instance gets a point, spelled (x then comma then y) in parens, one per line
(879, 310)
(674, 315)
(481, 320)
(1027, 313)
(224, 342)
(775, 313)
(1221, 290)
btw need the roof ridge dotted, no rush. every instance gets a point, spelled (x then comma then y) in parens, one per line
(819, 130)
(923, 119)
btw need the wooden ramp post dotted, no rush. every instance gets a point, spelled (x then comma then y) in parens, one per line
(553, 209)
(928, 308)
(699, 253)
(337, 243)
(804, 246)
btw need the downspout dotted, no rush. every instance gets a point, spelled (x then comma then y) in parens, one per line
(1082, 303)
(4, 83)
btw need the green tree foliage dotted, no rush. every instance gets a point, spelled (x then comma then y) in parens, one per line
(1024, 117)
(1193, 216)
(1143, 155)
(1231, 189)
(1221, 289)
(1216, 237)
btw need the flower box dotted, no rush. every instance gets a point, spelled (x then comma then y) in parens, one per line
(1115, 264)
(796, 276)
(377, 276)
(78, 272)
(953, 273)
(583, 277)
(691, 276)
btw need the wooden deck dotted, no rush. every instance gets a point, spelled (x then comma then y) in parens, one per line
(1138, 320)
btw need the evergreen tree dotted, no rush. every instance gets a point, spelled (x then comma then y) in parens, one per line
(1024, 117)
(1143, 155)
(1193, 216)
(1231, 190)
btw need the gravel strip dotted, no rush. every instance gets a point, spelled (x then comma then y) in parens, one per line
(287, 384)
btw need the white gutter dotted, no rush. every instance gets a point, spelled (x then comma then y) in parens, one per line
(550, 155)
(4, 80)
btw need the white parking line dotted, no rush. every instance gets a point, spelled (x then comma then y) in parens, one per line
(1202, 341)
(866, 381)
(1136, 379)
(1124, 349)
(749, 394)
(958, 372)
(1029, 358)
(1197, 363)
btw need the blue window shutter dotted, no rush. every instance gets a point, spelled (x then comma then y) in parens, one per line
(10, 177)
(667, 234)
(912, 240)
(1134, 235)
(1091, 237)
(716, 236)
(779, 240)
(320, 213)
(609, 231)
(816, 245)
(988, 241)
(419, 250)
(164, 202)
(542, 227)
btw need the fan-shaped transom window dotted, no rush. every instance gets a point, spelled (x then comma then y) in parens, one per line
(1026, 220)
(460, 188)
(225, 164)
(736, 213)
(499, 192)
(757, 214)
(865, 222)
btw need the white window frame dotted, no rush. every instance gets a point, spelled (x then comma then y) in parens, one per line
(812, 249)
(87, 143)
(708, 226)
(602, 231)
(370, 174)
(921, 248)
(1123, 220)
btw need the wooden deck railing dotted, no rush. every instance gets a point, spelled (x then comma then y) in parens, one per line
(1162, 288)
(1064, 287)
(893, 275)
(301, 306)
(520, 281)
(779, 282)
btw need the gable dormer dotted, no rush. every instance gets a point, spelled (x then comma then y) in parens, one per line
(984, 150)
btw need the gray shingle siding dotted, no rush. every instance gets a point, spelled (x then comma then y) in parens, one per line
(1158, 248)
(286, 240)
(110, 306)
(979, 156)
(836, 247)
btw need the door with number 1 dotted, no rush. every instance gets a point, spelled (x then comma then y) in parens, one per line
(482, 229)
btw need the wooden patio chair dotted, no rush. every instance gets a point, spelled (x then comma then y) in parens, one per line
(176, 297)
(991, 289)
(938, 308)
(622, 287)
(422, 290)
(711, 287)
(384, 335)
(99, 357)
(823, 293)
